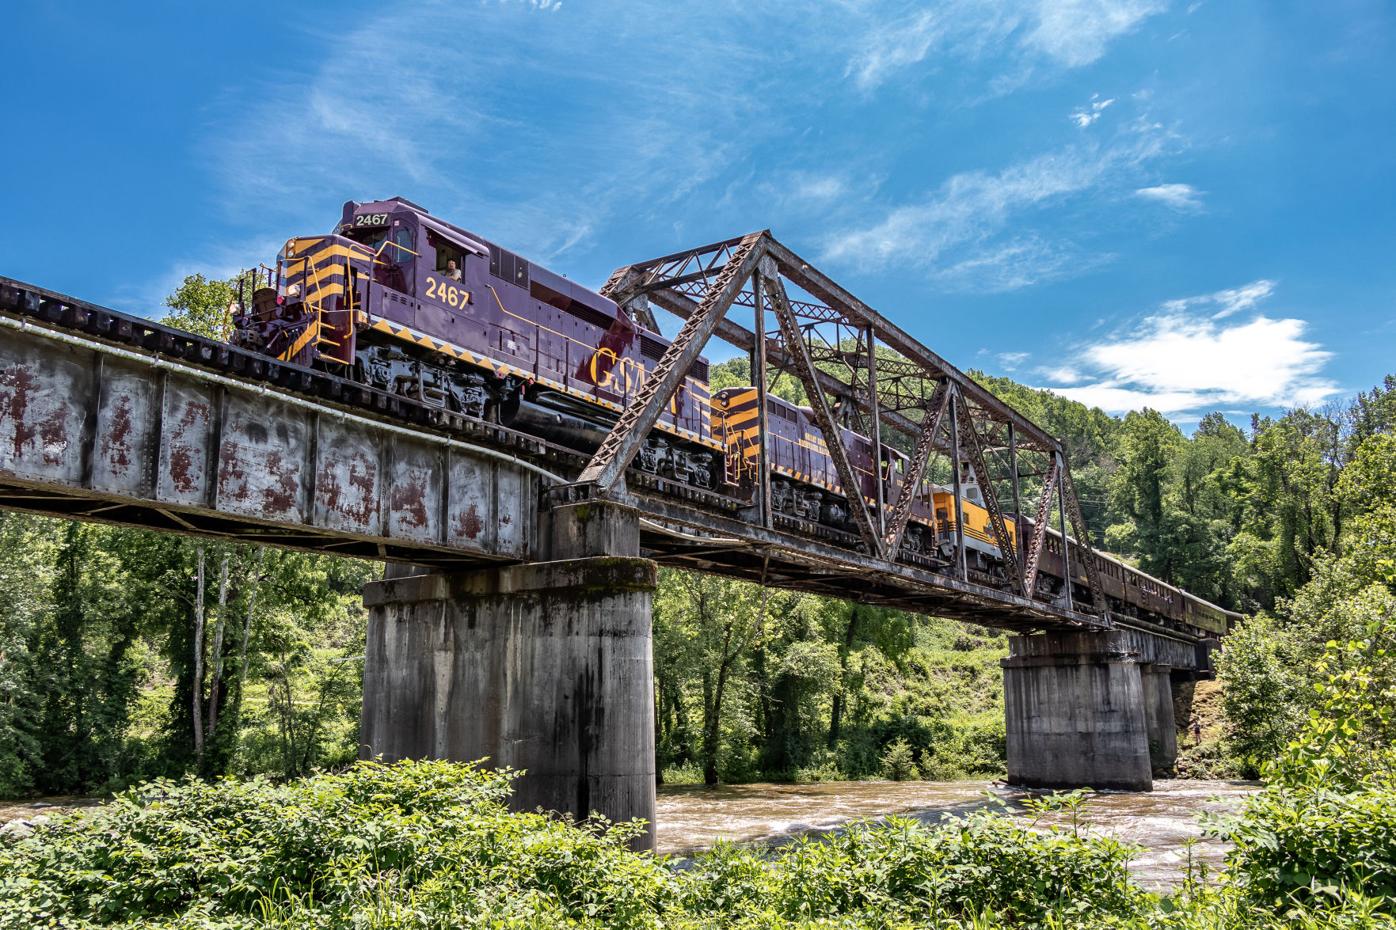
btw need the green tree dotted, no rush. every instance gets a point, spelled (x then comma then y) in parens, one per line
(203, 305)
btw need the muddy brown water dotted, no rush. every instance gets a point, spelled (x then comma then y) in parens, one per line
(1161, 822)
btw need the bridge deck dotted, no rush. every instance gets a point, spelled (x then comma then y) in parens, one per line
(109, 417)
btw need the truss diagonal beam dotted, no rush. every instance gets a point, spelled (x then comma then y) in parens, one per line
(975, 448)
(633, 426)
(1039, 531)
(925, 443)
(804, 368)
(1083, 542)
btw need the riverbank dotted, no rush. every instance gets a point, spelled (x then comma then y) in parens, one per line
(431, 844)
(1164, 823)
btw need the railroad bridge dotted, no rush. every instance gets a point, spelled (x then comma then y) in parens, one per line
(514, 618)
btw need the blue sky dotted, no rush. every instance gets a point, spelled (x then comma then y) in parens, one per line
(1180, 204)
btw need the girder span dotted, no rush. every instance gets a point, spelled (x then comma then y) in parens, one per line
(115, 418)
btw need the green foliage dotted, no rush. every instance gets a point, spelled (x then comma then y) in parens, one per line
(431, 844)
(1349, 740)
(431, 839)
(899, 762)
(204, 306)
(754, 683)
(97, 674)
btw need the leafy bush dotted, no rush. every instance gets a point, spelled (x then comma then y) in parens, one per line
(684, 773)
(899, 761)
(1310, 846)
(431, 844)
(824, 765)
(430, 838)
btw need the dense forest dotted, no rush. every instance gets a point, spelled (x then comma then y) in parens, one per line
(126, 655)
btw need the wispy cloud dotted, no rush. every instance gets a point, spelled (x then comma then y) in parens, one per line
(625, 138)
(1011, 360)
(1177, 361)
(1182, 197)
(1018, 36)
(459, 129)
(976, 230)
(1077, 32)
(1062, 374)
(1225, 303)
(1086, 115)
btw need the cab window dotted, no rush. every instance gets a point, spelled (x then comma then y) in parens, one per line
(450, 260)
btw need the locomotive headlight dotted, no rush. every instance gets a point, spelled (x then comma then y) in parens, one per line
(293, 290)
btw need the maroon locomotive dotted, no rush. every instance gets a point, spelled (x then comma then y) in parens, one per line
(408, 303)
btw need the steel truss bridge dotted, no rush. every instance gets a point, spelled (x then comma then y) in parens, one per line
(110, 417)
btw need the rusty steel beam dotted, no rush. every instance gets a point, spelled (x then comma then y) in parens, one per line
(1083, 540)
(109, 434)
(925, 443)
(1039, 532)
(761, 378)
(688, 267)
(631, 430)
(991, 503)
(961, 556)
(675, 267)
(1061, 531)
(822, 558)
(876, 436)
(824, 418)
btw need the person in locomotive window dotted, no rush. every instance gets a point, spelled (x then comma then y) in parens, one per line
(452, 271)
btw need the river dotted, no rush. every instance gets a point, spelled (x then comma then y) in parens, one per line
(1162, 821)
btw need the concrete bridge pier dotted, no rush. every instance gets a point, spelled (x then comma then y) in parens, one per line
(544, 667)
(1086, 710)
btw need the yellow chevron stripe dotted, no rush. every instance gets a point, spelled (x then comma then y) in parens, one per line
(323, 291)
(336, 250)
(301, 342)
(298, 244)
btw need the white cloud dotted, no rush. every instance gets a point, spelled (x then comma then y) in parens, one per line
(1011, 360)
(1062, 374)
(1085, 116)
(1181, 197)
(1077, 32)
(806, 190)
(1015, 36)
(1176, 361)
(1112, 398)
(1226, 302)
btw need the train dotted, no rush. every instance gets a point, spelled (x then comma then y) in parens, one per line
(399, 299)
